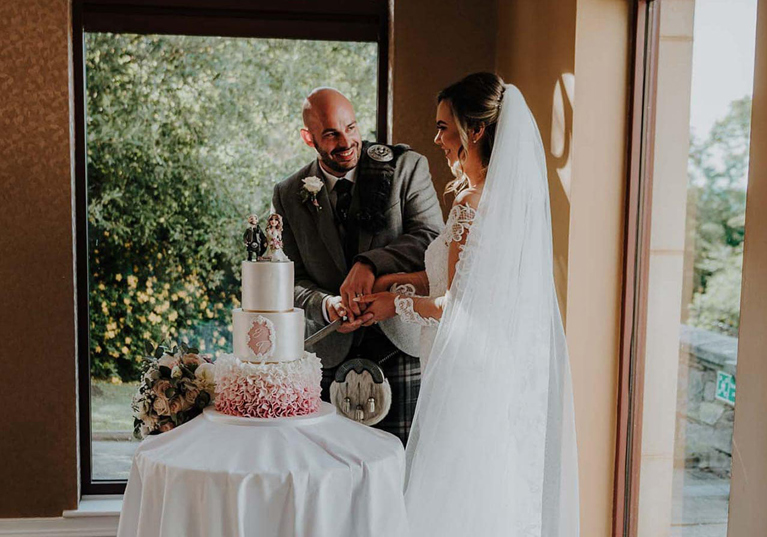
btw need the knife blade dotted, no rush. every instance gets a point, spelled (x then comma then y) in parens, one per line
(323, 332)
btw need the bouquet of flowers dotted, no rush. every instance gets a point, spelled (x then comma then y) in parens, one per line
(176, 385)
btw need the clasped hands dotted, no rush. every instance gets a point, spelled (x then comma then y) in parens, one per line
(364, 299)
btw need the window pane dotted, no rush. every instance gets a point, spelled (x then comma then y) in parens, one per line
(705, 79)
(186, 136)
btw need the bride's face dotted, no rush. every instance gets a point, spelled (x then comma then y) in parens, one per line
(448, 138)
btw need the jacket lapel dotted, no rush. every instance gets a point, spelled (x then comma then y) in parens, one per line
(325, 223)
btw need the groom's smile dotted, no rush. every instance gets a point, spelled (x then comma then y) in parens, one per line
(347, 155)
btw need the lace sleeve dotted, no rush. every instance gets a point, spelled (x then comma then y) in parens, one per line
(405, 307)
(406, 310)
(459, 221)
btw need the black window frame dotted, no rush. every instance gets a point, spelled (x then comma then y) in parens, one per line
(344, 20)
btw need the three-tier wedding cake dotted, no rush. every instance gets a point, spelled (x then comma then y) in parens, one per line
(270, 375)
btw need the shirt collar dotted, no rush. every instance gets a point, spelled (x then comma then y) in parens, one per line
(331, 179)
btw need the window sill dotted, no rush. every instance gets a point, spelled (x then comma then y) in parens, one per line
(95, 516)
(97, 506)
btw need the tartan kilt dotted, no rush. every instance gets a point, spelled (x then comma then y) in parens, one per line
(404, 375)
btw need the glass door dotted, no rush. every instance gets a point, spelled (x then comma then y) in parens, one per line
(693, 264)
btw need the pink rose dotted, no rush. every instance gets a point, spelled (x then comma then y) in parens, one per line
(176, 405)
(167, 360)
(191, 395)
(191, 359)
(161, 387)
(160, 406)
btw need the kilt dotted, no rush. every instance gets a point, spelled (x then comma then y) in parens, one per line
(404, 374)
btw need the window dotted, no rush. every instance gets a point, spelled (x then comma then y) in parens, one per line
(180, 137)
(689, 235)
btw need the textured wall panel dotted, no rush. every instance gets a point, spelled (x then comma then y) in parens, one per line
(435, 43)
(38, 424)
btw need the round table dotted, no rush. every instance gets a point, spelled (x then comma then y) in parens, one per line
(323, 476)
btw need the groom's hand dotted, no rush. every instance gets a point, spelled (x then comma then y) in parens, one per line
(336, 310)
(359, 282)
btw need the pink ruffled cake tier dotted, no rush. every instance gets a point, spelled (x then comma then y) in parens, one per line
(263, 390)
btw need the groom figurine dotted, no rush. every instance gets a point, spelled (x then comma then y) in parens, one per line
(358, 211)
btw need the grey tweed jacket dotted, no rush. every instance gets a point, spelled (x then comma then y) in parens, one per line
(311, 240)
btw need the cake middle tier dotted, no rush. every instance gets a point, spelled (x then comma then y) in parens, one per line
(268, 337)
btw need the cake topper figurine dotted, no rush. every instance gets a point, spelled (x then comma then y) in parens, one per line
(274, 239)
(254, 238)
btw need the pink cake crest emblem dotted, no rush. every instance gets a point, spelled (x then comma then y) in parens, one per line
(261, 337)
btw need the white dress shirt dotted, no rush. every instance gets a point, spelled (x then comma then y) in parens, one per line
(330, 181)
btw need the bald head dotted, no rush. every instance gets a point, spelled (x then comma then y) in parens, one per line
(330, 127)
(323, 103)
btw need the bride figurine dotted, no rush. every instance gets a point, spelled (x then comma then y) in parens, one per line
(274, 239)
(492, 448)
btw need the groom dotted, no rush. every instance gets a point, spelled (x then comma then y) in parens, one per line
(375, 213)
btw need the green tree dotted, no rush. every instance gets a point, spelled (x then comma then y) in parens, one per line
(186, 136)
(718, 170)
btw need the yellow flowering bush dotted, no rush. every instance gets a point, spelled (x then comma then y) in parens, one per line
(123, 322)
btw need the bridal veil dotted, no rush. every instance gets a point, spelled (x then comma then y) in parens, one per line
(492, 450)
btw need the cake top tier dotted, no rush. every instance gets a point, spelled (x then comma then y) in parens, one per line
(267, 286)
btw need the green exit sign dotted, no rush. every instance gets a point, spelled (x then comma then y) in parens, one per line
(725, 387)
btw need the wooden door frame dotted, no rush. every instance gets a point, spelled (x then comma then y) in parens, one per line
(638, 211)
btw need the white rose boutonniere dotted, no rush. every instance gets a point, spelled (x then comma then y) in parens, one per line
(312, 187)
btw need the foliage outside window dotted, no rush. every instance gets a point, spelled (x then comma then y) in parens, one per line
(185, 137)
(718, 170)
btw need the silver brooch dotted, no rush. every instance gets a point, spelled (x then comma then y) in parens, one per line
(380, 153)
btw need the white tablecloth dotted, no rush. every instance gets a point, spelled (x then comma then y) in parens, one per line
(330, 478)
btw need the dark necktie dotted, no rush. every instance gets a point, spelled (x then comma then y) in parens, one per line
(343, 190)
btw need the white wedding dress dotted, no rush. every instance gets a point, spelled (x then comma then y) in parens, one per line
(492, 448)
(436, 259)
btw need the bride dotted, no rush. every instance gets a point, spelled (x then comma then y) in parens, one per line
(492, 449)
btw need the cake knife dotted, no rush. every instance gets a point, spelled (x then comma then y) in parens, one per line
(324, 332)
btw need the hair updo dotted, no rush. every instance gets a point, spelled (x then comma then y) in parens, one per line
(475, 101)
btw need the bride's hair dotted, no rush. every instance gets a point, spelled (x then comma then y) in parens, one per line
(475, 101)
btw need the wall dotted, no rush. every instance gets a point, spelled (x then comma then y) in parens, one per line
(536, 53)
(570, 58)
(37, 326)
(596, 244)
(435, 43)
(748, 487)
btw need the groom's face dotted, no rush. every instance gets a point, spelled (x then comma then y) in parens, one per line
(334, 134)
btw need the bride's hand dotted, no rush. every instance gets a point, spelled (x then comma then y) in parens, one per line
(381, 305)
